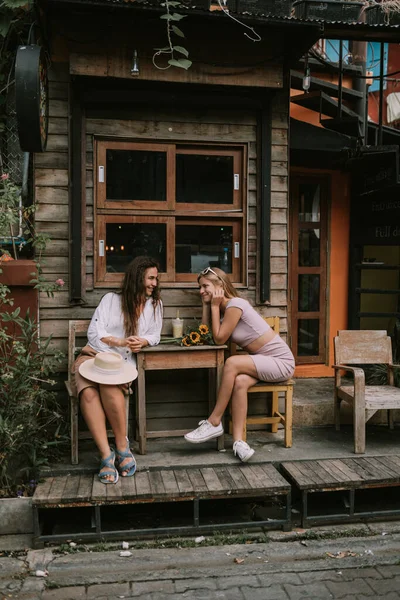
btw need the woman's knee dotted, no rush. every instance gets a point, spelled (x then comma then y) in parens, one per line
(242, 382)
(230, 365)
(89, 395)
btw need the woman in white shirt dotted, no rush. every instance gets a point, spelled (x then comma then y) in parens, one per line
(124, 322)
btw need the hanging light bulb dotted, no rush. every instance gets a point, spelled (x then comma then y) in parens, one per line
(135, 65)
(306, 79)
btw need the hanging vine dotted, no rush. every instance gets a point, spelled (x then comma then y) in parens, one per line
(178, 55)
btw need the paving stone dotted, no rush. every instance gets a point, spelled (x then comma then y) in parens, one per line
(10, 586)
(181, 585)
(274, 592)
(102, 590)
(267, 579)
(363, 573)
(10, 567)
(224, 583)
(314, 576)
(347, 588)
(313, 590)
(76, 592)
(385, 586)
(33, 584)
(388, 570)
(139, 588)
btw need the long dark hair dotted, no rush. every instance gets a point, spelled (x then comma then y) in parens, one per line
(133, 294)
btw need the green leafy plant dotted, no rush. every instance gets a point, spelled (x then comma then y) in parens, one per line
(16, 18)
(178, 55)
(30, 419)
(378, 374)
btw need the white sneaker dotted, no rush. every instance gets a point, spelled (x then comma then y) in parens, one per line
(204, 432)
(242, 450)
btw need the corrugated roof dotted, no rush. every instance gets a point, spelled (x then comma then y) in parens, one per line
(356, 30)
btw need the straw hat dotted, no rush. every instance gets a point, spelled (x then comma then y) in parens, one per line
(108, 368)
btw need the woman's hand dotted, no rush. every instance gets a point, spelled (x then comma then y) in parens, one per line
(135, 343)
(217, 297)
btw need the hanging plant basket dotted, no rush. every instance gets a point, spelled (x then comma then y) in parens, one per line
(329, 10)
(278, 8)
(375, 15)
(201, 4)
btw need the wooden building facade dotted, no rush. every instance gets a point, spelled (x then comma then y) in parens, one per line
(229, 110)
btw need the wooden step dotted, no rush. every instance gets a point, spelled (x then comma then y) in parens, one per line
(162, 485)
(351, 475)
(321, 103)
(316, 84)
(89, 499)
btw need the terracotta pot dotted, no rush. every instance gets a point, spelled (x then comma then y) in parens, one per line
(17, 275)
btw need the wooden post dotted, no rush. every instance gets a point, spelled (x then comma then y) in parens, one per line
(141, 403)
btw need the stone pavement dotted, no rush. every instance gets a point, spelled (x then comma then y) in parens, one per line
(356, 562)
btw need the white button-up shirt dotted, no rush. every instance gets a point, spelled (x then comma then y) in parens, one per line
(108, 320)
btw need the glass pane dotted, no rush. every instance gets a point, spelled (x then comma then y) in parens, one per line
(136, 175)
(309, 248)
(309, 202)
(125, 241)
(204, 179)
(201, 246)
(308, 337)
(308, 293)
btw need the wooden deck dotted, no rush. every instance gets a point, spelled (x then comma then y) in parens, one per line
(346, 474)
(160, 486)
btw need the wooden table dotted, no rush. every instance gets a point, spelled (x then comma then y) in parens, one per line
(171, 357)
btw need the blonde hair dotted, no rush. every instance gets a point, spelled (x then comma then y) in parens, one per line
(219, 277)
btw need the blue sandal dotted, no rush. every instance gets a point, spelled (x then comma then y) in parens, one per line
(108, 462)
(130, 466)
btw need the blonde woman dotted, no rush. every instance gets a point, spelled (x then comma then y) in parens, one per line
(269, 358)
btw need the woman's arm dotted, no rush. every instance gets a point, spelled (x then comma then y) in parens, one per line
(206, 313)
(222, 330)
(98, 336)
(151, 334)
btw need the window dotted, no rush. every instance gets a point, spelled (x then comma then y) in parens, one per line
(184, 205)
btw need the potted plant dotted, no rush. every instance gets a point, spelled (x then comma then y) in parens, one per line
(385, 12)
(345, 11)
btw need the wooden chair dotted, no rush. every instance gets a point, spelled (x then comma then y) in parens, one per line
(363, 348)
(276, 418)
(78, 329)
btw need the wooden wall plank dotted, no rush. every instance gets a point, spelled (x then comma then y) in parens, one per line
(167, 130)
(51, 177)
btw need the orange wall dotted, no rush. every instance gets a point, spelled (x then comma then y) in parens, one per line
(339, 236)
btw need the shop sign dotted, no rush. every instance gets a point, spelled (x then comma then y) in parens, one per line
(374, 171)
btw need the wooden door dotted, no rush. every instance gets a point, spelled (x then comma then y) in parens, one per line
(308, 268)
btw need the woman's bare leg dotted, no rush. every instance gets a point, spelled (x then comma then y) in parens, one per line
(234, 366)
(95, 418)
(113, 400)
(239, 404)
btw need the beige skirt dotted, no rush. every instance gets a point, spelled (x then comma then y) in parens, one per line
(79, 383)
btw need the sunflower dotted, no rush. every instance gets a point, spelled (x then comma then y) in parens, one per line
(203, 329)
(194, 337)
(185, 341)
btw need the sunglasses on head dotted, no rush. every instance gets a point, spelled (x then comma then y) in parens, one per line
(209, 270)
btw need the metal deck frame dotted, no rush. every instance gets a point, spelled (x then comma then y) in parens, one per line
(99, 534)
(352, 515)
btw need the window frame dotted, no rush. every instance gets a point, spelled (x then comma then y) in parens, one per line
(170, 212)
